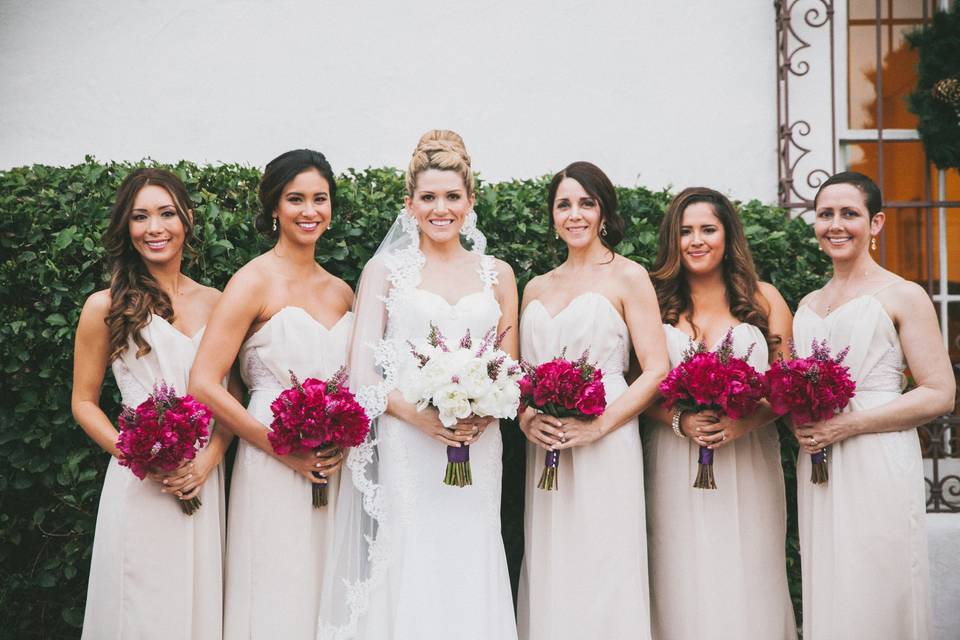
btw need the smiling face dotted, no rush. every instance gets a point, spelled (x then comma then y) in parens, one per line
(304, 210)
(843, 225)
(156, 230)
(440, 204)
(576, 214)
(702, 238)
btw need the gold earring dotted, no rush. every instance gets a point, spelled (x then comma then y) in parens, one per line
(873, 243)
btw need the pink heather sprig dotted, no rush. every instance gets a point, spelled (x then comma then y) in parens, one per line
(499, 339)
(494, 366)
(465, 341)
(422, 359)
(435, 339)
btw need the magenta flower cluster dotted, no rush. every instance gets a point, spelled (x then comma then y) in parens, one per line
(316, 413)
(162, 432)
(715, 380)
(562, 388)
(810, 389)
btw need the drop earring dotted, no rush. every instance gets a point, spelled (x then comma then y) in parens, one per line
(603, 229)
(873, 243)
(556, 234)
(275, 225)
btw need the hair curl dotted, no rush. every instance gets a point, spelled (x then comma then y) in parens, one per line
(443, 150)
(134, 292)
(739, 272)
(596, 183)
(278, 173)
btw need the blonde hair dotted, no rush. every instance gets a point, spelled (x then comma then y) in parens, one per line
(443, 150)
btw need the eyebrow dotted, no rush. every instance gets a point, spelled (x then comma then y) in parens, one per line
(163, 206)
(300, 193)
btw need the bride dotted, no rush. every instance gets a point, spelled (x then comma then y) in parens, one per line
(414, 557)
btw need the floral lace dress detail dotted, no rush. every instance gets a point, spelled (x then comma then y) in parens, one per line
(863, 534)
(429, 542)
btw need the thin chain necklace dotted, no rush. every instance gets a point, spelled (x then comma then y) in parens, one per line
(842, 288)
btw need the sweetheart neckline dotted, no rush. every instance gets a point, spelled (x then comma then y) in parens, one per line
(586, 294)
(716, 343)
(459, 300)
(306, 313)
(178, 331)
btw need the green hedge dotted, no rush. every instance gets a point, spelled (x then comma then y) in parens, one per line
(51, 221)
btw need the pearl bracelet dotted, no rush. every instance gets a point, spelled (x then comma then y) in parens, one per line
(675, 423)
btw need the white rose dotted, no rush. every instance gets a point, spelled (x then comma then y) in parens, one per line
(452, 403)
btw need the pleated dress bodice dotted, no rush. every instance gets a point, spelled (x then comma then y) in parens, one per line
(869, 519)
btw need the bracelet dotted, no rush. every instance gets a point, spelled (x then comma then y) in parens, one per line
(675, 423)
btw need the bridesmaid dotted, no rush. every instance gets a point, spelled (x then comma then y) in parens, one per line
(582, 576)
(155, 571)
(717, 560)
(280, 312)
(862, 534)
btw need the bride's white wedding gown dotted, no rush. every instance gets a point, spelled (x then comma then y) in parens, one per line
(444, 567)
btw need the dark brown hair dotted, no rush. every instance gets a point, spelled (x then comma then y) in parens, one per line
(596, 183)
(278, 173)
(134, 293)
(872, 197)
(739, 272)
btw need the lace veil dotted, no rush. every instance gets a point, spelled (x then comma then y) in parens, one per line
(359, 554)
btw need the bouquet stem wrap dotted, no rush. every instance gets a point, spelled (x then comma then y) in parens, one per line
(551, 465)
(818, 470)
(458, 467)
(705, 478)
(190, 506)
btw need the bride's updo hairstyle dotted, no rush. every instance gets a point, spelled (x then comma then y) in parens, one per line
(598, 186)
(134, 293)
(739, 272)
(280, 171)
(443, 150)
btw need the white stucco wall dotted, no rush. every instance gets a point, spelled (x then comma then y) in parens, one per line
(657, 93)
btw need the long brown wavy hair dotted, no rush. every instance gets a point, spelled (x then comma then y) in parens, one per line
(134, 292)
(739, 272)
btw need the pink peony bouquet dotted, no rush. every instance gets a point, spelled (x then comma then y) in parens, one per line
(463, 381)
(809, 390)
(562, 389)
(162, 432)
(714, 380)
(314, 414)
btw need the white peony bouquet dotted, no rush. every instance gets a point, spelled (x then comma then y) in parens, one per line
(464, 381)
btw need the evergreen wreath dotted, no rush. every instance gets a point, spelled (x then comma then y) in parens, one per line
(936, 100)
